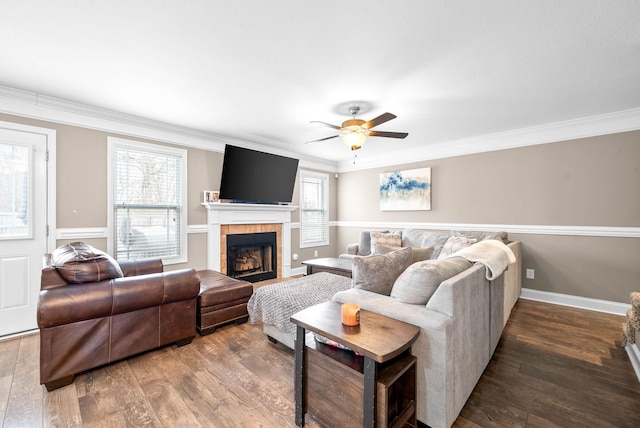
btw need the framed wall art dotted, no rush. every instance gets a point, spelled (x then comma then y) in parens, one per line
(408, 190)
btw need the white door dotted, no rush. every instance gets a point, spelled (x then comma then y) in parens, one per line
(23, 226)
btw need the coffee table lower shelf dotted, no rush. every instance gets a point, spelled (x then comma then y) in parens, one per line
(335, 390)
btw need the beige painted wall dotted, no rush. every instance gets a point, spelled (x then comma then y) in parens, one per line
(587, 182)
(81, 188)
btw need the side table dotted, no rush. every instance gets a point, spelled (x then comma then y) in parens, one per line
(329, 381)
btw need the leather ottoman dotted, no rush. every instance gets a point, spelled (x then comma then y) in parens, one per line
(222, 300)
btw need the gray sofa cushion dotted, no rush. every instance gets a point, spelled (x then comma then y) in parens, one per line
(377, 273)
(421, 238)
(419, 281)
(418, 254)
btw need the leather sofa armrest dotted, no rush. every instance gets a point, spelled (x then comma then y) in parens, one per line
(141, 267)
(144, 291)
(181, 285)
(74, 302)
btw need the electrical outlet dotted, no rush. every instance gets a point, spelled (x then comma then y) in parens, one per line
(315, 253)
(531, 274)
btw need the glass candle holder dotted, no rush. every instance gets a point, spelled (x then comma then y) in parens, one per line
(350, 314)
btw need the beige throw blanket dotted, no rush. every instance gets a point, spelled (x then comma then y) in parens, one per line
(495, 255)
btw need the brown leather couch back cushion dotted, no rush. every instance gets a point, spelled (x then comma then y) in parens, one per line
(79, 262)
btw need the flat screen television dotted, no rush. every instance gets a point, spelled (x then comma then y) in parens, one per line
(250, 176)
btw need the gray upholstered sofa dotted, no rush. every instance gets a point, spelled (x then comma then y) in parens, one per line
(460, 323)
(436, 240)
(460, 327)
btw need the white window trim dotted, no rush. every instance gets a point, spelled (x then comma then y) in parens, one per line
(113, 143)
(325, 178)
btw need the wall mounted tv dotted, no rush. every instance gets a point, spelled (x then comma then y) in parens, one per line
(250, 176)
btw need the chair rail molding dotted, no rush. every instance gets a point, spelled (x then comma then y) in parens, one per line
(602, 231)
(79, 233)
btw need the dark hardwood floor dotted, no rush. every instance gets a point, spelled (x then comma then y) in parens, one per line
(555, 366)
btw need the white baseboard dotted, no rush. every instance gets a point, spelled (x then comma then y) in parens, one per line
(19, 334)
(606, 306)
(634, 356)
(302, 270)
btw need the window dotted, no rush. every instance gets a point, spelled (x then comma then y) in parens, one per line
(15, 168)
(147, 192)
(314, 209)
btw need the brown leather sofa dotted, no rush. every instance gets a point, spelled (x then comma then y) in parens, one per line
(93, 310)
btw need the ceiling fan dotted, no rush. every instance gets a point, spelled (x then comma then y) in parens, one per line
(354, 131)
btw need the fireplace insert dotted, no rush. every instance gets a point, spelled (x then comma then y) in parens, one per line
(252, 256)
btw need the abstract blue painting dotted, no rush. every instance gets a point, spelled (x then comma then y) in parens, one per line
(408, 190)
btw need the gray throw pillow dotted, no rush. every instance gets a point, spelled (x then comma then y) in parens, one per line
(364, 246)
(419, 281)
(393, 239)
(417, 253)
(377, 273)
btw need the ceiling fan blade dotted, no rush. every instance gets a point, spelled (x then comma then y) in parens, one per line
(325, 124)
(322, 139)
(385, 117)
(388, 134)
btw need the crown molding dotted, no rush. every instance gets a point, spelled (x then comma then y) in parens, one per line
(41, 107)
(35, 106)
(592, 126)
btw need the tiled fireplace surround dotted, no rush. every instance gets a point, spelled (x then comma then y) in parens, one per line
(226, 219)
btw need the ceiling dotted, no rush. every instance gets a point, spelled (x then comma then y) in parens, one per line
(257, 72)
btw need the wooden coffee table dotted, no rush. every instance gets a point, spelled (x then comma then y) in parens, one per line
(341, 388)
(329, 264)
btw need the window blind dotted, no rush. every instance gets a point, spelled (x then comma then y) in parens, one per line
(147, 196)
(314, 216)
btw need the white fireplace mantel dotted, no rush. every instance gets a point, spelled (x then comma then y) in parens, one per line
(219, 214)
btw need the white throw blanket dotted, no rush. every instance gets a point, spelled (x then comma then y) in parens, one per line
(493, 254)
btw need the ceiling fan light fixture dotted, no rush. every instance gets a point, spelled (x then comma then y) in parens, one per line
(354, 131)
(354, 138)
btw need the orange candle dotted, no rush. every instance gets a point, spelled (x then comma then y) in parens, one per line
(350, 314)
